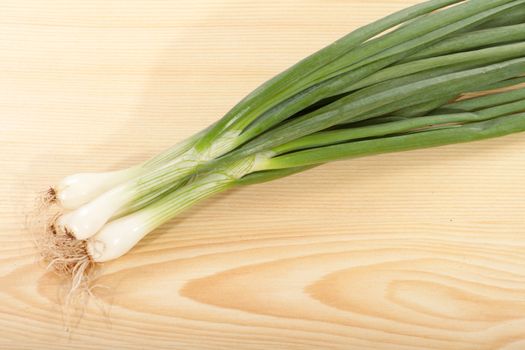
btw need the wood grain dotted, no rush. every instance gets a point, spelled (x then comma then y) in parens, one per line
(422, 250)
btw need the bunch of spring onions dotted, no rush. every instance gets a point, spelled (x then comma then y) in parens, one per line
(422, 77)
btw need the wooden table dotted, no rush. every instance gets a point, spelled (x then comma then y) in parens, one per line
(421, 250)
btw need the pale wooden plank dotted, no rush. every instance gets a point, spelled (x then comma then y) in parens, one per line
(418, 250)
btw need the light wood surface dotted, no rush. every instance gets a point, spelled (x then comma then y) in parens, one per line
(421, 250)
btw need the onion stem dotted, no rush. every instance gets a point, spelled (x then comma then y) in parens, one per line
(119, 236)
(398, 84)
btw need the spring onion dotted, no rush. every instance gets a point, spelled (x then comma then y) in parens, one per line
(400, 83)
(119, 236)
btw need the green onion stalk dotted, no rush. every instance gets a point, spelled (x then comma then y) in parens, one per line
(396, 84)
(469, 120)
(369, 102)
(119, 236)
(325, 74)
